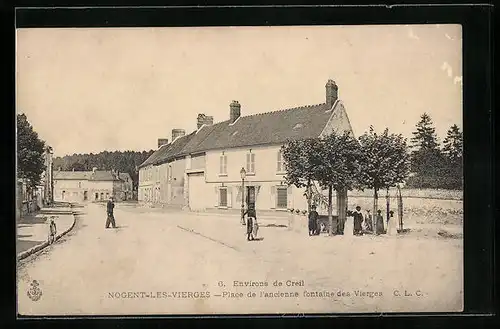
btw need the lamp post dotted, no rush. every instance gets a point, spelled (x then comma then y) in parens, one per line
(243, 174)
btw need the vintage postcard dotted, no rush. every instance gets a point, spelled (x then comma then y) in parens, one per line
(239, 170)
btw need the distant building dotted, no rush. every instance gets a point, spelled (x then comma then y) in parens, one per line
(202, 170)
(95, 185)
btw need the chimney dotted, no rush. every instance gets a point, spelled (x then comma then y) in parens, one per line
(177, 133)
(234, 111)
(94, 169)
(162, 141)
(204, 120)
(331, 93)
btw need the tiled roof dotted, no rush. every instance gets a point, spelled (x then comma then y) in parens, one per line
(175, 149)
(267, 128)
(197, 139)
(79, 175)
(102, 175)
(259, 129)
(168, 151)
(160, 153)
(98, 175)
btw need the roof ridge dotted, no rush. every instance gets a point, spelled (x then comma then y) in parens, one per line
(283, 110)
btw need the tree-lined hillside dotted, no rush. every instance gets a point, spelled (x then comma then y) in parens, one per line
(126, 161)
(433, 165)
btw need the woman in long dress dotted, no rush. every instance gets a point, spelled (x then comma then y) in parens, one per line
(358, 220)
(379, 220)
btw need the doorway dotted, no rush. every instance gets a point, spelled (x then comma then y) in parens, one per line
(85, 196)
(250, 196)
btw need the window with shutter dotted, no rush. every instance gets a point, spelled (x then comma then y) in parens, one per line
(281, 198)
(280, 167)
(223, 197)
(223, 165)
(250, 163)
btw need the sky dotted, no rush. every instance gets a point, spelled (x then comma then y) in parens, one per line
(90, 90)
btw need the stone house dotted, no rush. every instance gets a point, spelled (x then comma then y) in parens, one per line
(95, 185)
(215, 153)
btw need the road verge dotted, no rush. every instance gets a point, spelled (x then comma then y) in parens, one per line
(45, 244)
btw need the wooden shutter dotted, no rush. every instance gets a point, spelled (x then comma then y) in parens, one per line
(239, 194)
(278, 162)
(290, 196)
(273, 197)
(229, 197)
(217, 196)
(248, 163)
(252, 162)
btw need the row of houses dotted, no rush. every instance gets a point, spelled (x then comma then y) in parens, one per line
(202, 170)
(95, 185)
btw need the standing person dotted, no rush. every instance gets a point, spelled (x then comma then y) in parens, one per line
(390, 227)
(379, 223)
(358, 221)
(368, 221)
(109, 209)
(251, 216)
(313, 221)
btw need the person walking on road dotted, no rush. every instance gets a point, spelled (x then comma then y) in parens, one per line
(109, 209)
(251, 217)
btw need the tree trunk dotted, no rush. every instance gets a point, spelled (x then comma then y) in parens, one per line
(387, 210)
(400, 209)
(309, 195)
(341, 210)
(375, 208)
(330, 215)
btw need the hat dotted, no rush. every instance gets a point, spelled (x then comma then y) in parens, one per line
(313, 206)
(358, 208)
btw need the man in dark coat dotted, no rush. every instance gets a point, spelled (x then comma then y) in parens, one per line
(358, 221)
(251, 215)
(313, 221)
(109, 209)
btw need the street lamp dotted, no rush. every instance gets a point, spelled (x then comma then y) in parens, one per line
(243, 174)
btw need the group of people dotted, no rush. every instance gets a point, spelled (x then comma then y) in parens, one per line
(365, 223)
(361, 223)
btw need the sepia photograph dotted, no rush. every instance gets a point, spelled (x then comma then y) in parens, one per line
(239, 170)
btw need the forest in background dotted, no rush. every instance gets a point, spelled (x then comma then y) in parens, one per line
(123, 161)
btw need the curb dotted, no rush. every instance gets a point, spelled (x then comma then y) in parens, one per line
(41, 246)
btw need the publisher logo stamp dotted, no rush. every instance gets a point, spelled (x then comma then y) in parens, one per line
(34, 292)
